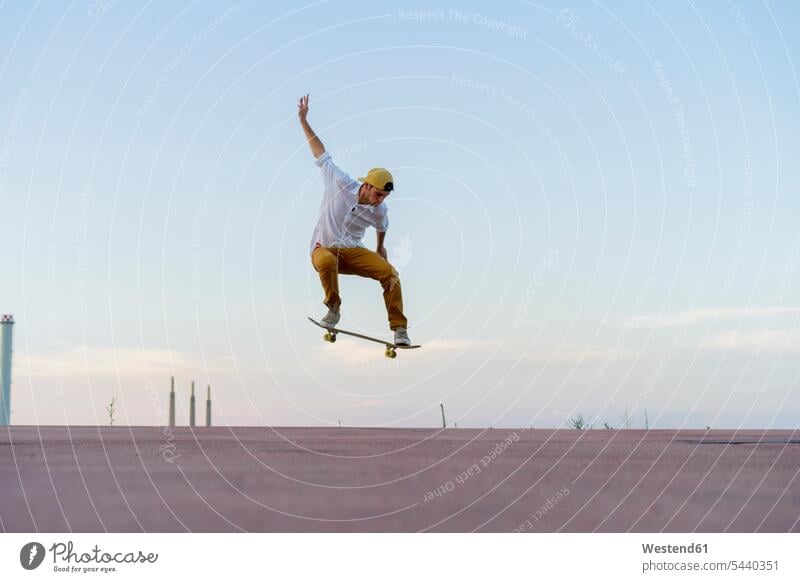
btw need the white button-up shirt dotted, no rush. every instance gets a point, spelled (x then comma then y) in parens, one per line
(342, 220)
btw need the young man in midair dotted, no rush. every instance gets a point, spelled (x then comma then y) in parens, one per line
(348, 208)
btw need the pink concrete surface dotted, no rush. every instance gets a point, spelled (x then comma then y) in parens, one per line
(229, 479)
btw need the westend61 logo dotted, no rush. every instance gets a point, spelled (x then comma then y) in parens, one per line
(32, 555)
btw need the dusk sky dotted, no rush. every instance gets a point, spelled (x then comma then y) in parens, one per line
(596, 210)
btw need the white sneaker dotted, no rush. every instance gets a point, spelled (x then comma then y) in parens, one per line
(331, 318)
(401, 337)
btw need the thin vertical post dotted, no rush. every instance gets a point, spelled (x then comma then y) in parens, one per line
(172, 401)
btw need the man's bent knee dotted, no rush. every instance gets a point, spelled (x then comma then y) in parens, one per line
(324, 262)
(391, 280)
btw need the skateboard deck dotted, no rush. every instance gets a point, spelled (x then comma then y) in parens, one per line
(391, 348)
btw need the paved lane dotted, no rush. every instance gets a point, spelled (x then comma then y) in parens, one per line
(130, 479)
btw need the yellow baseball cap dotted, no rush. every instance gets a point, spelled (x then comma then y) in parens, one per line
(381, 178)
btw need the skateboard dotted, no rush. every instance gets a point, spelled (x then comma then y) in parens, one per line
(330, 336)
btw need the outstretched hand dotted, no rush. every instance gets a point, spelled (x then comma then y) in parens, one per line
(302, 108)
(317, 148)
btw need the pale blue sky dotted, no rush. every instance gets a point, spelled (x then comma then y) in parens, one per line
(596, 208)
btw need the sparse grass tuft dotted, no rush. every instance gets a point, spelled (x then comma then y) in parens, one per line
(578, 423)
(111, 410)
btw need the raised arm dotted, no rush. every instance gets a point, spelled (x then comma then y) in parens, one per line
(317, 148)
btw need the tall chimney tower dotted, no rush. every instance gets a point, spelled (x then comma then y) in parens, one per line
(191, 407)
(7, 324)
(208, 408)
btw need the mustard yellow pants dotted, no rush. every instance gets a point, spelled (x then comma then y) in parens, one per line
(329, 262)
